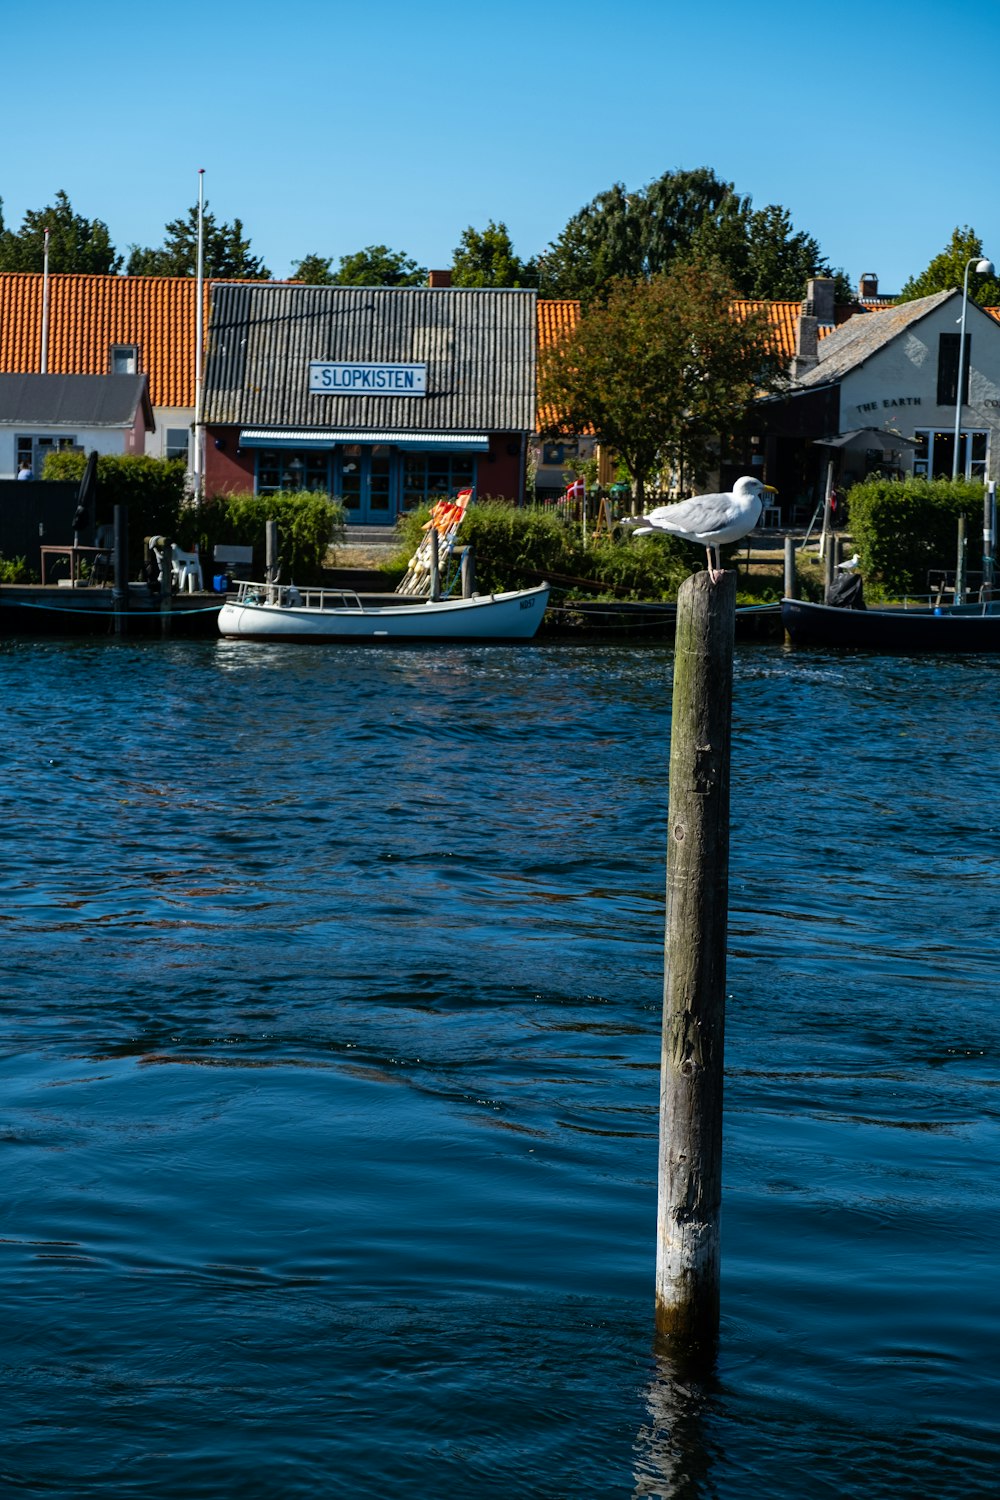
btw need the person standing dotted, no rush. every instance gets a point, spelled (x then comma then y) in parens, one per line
(25, 470)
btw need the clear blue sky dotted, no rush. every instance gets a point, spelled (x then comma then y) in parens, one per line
(326, 125)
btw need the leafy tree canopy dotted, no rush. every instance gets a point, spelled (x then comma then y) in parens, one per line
(76, 244)
(641, 234)
(486, 258)
(377, 265)
(947, 270)
(314, 270)
(226, 250)
(659, 369)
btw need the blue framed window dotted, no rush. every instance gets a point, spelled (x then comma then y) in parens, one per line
(428, 476)
(290, 469)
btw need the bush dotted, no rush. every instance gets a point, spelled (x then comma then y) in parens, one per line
(514, 545)
(902, 528)
(16, 570)
(153, 490)
(308, 525)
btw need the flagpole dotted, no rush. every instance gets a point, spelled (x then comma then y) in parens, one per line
(199, 340)
(45, 306)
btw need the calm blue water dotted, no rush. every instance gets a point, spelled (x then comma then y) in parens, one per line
(330, 1025)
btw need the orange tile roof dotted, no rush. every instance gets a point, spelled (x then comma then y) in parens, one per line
(87, 314)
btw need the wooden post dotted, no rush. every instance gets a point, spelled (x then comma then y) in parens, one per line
(989, 539)
(166, 585)
(271, 551)
(791, 577)
(435, 564)
(119, 593)
(827, 497)
(468, 571)
(830, 563)
(960, 563)
(694, 988)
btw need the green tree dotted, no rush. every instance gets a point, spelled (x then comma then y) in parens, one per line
(486, 258)
(761, 252)
(227, 252)
(660, 370)
(76, 244)
(631, 235)
(641, 234)
(947, 270)
(314, 270)
(377, 265)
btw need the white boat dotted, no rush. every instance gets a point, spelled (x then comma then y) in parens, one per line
(274, 612)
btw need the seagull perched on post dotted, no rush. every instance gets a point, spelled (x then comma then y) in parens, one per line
(710, 520)
(850, 564)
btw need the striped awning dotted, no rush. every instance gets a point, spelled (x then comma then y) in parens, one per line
(327, 437)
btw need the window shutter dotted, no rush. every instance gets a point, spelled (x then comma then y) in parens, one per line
(947, 390)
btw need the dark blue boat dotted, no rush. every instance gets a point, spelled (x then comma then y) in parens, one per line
(922, 628)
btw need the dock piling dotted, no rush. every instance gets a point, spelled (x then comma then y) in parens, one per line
(119, 594)
(166, 586)
(690, 1142)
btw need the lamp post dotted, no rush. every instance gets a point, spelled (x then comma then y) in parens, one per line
(983, 268)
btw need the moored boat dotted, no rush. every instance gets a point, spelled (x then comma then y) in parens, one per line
(273, 612)
(925, 627)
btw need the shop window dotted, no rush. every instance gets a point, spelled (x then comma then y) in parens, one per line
(281, 469)
(428, 476)
(935, 452)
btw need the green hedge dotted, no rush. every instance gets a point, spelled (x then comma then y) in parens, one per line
(308, 525)
(154, 492)
(902, 528)
(513, 545)
(153, 489)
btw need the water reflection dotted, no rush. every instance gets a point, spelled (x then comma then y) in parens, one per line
(673, 1456)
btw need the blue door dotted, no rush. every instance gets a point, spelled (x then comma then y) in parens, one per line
(367, 486)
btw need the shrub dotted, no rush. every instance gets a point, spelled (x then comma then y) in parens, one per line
(308, 525)
(16, 570)
(902, 528)
(514, 545)
(153, 489)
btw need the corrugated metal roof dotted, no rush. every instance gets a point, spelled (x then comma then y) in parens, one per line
(478, 345)
(288, 437)
(73, 400)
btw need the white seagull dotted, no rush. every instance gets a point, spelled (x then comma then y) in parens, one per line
(850, 564)
(710, 520)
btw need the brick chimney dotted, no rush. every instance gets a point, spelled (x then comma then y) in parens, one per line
(868, 287)
(817, 310)
(439, 278)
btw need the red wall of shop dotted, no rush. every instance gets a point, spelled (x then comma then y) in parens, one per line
(226, 471)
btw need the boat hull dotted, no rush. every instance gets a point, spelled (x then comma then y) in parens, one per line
(513, 616)
(921, 629)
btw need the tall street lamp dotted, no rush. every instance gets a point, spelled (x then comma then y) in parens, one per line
(983, 268)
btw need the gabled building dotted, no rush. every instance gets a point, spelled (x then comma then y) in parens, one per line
(382, 396)
(109, 325)
(42, 414)
(881, 393)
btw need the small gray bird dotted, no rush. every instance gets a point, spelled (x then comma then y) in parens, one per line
(710, 520)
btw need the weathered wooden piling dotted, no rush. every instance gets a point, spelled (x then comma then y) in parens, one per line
(166, 585)
(690, 1150)
(468, 571)
(961, 562)
(435, 584)
(791, 577)
(119, 592)
(271, 551)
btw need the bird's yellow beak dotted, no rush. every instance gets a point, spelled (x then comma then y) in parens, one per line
(770, 489)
